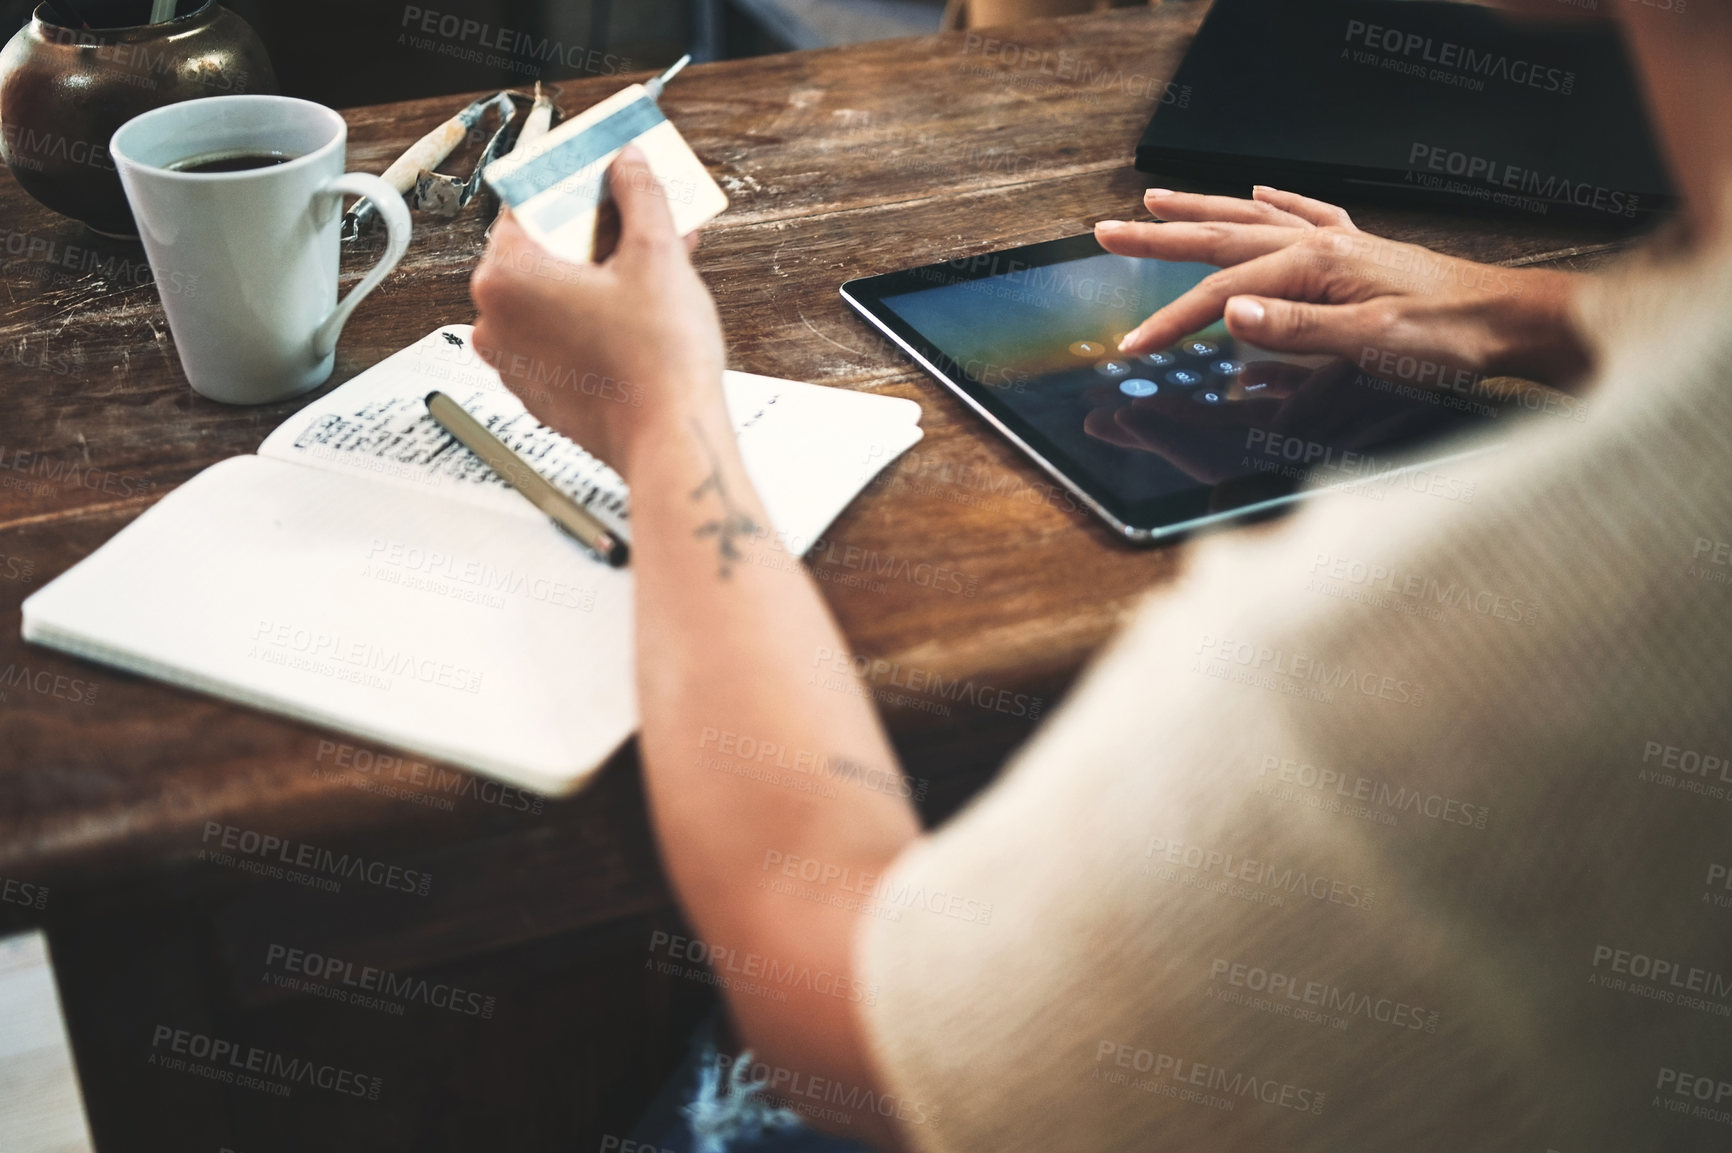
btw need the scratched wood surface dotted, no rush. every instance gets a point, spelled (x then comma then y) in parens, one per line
(839, 164)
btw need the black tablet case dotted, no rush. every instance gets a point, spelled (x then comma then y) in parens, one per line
(1453, 105)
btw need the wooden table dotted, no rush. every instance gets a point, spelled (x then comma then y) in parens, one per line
(839, 164)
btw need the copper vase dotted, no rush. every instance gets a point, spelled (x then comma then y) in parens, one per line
(65, 90)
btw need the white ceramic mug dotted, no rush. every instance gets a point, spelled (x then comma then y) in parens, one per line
(246, 262)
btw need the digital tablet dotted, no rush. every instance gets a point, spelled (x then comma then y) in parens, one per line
(1161, 444)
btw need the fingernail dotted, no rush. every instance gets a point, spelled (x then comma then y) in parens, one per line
(1109, 225)
(1243, 310)
(1256, 188)
(1157, 193)
(1130, 340)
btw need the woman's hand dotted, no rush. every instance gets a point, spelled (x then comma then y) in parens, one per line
(603, 353)
(1297, 276)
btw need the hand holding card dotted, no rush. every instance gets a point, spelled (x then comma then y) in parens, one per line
(557, 185)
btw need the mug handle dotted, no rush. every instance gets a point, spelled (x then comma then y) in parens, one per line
(396, 215)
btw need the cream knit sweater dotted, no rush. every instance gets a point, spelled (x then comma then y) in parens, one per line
(1407, 826)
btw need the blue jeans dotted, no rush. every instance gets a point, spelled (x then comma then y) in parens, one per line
(710, 1106)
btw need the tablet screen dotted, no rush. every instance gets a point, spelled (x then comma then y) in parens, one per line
(1205, 427)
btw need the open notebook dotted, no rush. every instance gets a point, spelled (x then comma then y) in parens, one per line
(366, 573)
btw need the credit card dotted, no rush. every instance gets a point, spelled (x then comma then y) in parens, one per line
(557, 185)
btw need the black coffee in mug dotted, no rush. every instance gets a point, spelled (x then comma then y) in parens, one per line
(262, 231)
(229, 162)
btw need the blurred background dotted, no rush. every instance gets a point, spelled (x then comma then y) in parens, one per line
(349, 52)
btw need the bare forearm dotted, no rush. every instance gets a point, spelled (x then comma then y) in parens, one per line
(1535, 334)
(729, 630)
(728, 626)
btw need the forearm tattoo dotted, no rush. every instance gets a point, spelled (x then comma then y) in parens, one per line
(733, 523)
